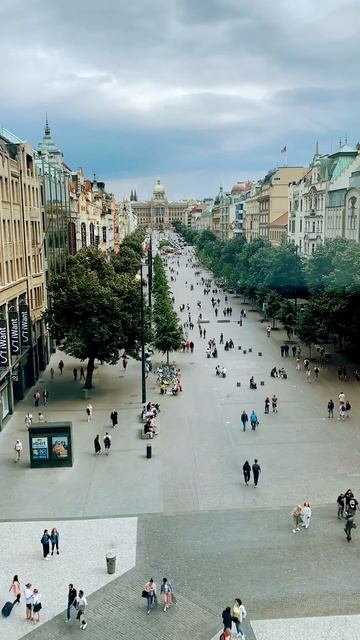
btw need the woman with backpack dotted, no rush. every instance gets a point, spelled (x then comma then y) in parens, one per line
(238, 615)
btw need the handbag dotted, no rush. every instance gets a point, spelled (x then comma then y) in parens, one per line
(144, 594)
(173, 599)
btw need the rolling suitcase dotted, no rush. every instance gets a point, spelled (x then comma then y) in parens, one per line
(7, 609)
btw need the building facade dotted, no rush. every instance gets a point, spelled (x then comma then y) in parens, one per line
(23, 337)
(159, 213)
(324, 204)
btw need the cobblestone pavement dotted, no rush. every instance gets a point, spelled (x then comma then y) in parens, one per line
(212, 536)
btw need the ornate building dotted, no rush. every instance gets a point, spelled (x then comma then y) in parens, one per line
(159, 213)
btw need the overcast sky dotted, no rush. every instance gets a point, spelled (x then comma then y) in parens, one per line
(196, 92)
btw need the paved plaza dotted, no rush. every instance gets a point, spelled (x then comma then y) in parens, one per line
(186, 513)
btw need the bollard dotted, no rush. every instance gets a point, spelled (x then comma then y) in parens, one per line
(260, 353)
(238, 384)
(250, 350)
(244, 351)
(111, 562)
(239, 348)
(148, 451)
(262, 383)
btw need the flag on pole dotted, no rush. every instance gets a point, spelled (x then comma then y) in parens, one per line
(283, 150)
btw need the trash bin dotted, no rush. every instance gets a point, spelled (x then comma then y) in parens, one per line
(148, 451)
(111, 562)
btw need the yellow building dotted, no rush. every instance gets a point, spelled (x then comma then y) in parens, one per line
(159, 213)
(23, 339)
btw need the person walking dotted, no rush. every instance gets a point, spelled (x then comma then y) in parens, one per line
(151, 596)
(316, 373)
(306, 515)
(330, 406)
(238, 615)
(36, 605)
(256, 469)
(82, 373)
(72, 594)
(75, 372)
(28, 420)
(227, 618)
(244, 420)
(45, 541)
(340, 503)
(293, 349)
(342, 397)
(16, 589)
(246, 472)
(297, 514)
(97, 445)
(89, 411)
(37, 397)
(191, 347)
(41, 417)
(45, 395)
(18, 450)
(114, 418)
(350, 524)
(347, 408)
(267, 405)
(54, 537)
(253, 420)
(107, 443)
(52, 373)
(61, 367)
(274, 402)
(81, 604)
(166, 590)
(28, 592)
(268, 331)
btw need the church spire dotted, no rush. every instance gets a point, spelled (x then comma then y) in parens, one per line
(131, 196)
(135, 196)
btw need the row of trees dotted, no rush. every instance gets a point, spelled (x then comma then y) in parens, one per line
(168, 334)
(276, 277)
(94, 306)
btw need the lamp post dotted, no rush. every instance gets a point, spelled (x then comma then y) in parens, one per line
(150, 269)
(143, 368)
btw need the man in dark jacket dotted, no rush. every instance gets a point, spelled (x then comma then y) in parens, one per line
(71, 600)
(256, 472)
(227, 619)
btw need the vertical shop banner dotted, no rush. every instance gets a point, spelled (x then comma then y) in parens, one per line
(25, 325)
(4, 351)
(14, 333)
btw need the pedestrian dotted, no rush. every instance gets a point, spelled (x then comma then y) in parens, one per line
(166, 590)
(114, 418)
(82, 374)
(342, 411)
(89, 411)
(267, 405)
(350, 524)
(330, 406)
(61, 366)
(36, 605)
(18, 450)
(347, 408)
(297, 514)
(286, 350)
(238, 615)
(204, 333)
(246, 472)
(256, 469)
(316, 373)
(28, 420)
(340, 503)
(107, 443)
(45, 396)
(308, 375)
(75, 372)
(253, 420)
(28, 600)
(227, 618)
(72, 593)
(298, 364)
(54, 537)
(45, 541)
(151, 595)
(344, 373)
(81, 604)
(274, 402)
(97, 445)
(342, 397)
(306, 364)
(37, 397)
(52, 373)
(293, 349)
(282, 350)
(268, 331)
(306, 516)
(41, 417)
(351, 503)
(244, 419)
(15, 588)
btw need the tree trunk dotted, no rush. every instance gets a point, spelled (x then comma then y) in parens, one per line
(167, 357)
(89, 373)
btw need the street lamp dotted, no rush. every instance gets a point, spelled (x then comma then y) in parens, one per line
(150, 269)
(143, 362)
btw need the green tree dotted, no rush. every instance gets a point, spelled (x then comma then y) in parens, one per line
(126, 261)
(168, 334)
(94, 312)
(287, 316)
(273, 302)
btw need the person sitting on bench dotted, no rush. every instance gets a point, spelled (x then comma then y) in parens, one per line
(274, 373)
(253, 384)
(150, 428)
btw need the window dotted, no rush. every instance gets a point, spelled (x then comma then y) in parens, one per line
(83, 234)
(92, 234)
(72, 238)
(104, 234)
(301, 225)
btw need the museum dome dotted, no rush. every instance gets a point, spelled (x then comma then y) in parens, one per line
(158, 187)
